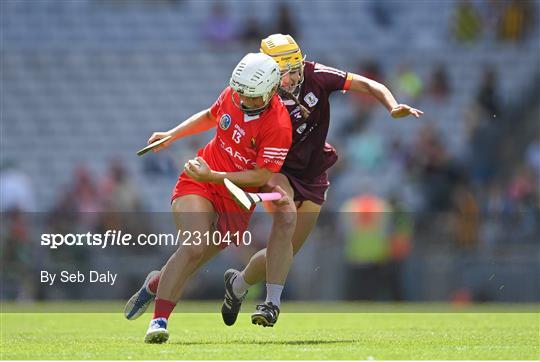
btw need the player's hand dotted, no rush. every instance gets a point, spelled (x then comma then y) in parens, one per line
(198, 170)
(156, 136)
(403, 110)
(285, 200)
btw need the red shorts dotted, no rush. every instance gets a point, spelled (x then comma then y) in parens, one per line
(231, 218)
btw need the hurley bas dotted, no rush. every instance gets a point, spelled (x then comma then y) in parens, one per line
(65, 276)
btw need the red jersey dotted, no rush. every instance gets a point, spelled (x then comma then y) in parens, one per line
(247, 142)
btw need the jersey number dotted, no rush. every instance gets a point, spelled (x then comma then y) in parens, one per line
(236, 136)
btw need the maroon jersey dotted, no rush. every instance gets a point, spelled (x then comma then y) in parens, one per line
(310, 155)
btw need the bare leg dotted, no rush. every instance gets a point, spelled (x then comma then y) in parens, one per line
(210, 252)
(191, 213)
(307, 217)
(279, 252)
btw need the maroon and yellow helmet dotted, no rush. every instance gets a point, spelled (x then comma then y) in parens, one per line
(284, 50)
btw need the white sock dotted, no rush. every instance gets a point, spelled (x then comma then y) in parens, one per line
(239, 285)
(273, 294)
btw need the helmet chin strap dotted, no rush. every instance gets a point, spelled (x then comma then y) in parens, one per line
(296, 90)
(251, 112)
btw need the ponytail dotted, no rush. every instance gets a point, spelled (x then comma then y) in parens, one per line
(288, 95)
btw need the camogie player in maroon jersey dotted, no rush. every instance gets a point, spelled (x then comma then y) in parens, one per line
(305, 88)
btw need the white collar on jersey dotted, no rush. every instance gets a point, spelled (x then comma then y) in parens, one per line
(250, 118)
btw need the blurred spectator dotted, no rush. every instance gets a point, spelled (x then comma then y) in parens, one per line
(16, 191)
(285, 23)
(532, 156)
(401, 244)
(118, 192)
(522, 186)
(466, 22)
(252, 33)
(377, 240)
(364, 104)
(428, 148)
(467, 220)
(84, 191)
(401, 230)
(516, 20)
(437, 173)
(491, 14)
(382, 13)
(219, 28)
(16, 256)
(123, 207)
(398, 155)
(366, 151)
(64, 217)
(79, 203)
(407, 85)
(495, 208)
(439, 86)
(483, 152)
(162, 164)
(525, 192)
(86, 197)
(487, 97)
(484, 136)
(472, 121)
(366, 245)
(495, 201)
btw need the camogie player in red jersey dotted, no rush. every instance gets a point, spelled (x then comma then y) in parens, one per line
(253, 136)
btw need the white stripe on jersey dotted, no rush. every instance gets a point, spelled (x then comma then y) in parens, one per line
(324, 68)
(275, 153)
(275, 149)
(276, 157)
(338, 73)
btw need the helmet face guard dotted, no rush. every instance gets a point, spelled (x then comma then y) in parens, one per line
(286, 52)
(286, 73)
(251, 112)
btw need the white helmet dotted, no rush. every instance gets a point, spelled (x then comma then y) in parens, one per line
(257, 75)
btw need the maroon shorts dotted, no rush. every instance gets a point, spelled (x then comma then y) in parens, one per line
(313, 190)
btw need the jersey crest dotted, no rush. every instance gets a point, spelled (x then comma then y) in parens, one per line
(225, 122)
(310, 99)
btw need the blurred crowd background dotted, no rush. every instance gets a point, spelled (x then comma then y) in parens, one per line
(441, 208)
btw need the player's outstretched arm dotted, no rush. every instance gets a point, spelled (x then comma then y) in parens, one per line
(382, 94)
(197, 123)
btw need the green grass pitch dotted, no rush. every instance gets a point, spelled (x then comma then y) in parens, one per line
(371, 333)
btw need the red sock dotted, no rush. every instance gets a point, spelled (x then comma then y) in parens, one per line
(153, 284)
(163, 308)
